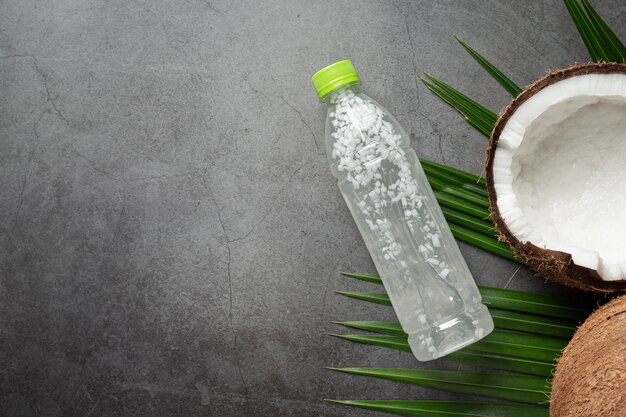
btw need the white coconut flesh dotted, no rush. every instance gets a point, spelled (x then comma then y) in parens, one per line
(559, 171)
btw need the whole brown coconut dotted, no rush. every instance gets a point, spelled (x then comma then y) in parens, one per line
(552, 264)
(590, 377)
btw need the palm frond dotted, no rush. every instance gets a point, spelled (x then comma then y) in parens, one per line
(392, 342)
(478, 225)
(600, 40)
(467, 355)
(519, 388)
(502, 79)
(575, 309)
(391, 328)
(509, 320)
(530, 323)
(374, 278)
(476, 114)
(456, 173)
(528, 346)
(458, 192)
(484, 242)
(371, 297)
(462, 205)
(422, 408)
(502, 362)
(609, 38)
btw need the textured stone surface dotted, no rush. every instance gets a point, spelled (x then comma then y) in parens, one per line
(170, 235)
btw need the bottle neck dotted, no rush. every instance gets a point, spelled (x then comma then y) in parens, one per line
(338, 92)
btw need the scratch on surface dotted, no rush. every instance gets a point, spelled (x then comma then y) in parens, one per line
(87, 393)
(120, 217)
(156, 177)
(29, 165)
(416, 77)
(274, 198)
(95, 405)
(44, 77)
(205, 397)
(292, 107)
(230, 290)
(229, 241)
(49, 98)
(93, 166)
(15, 56)
(512, 276)
(82, 397)
(209, 5)
(255, 90)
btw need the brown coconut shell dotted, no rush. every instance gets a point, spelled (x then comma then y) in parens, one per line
(590, 377)
(554, 265)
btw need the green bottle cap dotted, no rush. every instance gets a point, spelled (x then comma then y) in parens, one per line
(334, 76)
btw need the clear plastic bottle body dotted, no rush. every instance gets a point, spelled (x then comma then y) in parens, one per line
(431, 289)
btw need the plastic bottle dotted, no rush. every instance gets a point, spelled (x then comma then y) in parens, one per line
(431, 289)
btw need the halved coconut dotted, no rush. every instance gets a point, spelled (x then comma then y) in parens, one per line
(556, 176)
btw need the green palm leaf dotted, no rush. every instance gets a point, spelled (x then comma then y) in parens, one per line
(392, 328)
(478, 225)
(375, 278)
(449, 178)
(587, 33)
(529, 323)
(600, 40)
(466, 355)
(609, 38)
(371, 297)
(502, 79)
(455, 173)
(448, 408)
(484, 242)
(392, 342)
(477, 115)
(540, 348)
(509, 320)
(462, 205)
(457, 191)
(502, 362)
(476, 190)
(519, 388)
(576, 309)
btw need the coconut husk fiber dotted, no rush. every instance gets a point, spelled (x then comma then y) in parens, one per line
(590, 377)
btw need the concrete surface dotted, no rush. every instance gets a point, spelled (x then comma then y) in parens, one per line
(170, 235)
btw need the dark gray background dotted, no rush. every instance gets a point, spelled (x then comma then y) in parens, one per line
(170, 235)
